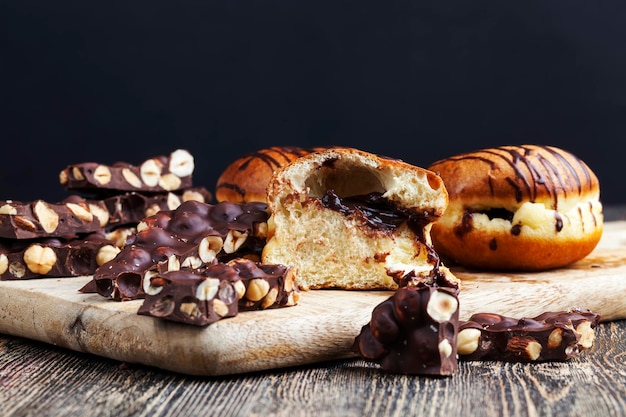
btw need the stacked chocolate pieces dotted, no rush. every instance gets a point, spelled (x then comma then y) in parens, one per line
(126, 193)
(75, 236)
(40, 239)
(197, 264)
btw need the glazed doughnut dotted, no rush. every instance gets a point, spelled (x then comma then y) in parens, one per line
(526, 208)
(245, 179)
(353, 220)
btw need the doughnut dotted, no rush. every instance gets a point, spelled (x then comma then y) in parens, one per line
(350, 219)
(245, 179)
(524, 208)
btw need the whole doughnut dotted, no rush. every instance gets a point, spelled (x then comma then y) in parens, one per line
(527, 207)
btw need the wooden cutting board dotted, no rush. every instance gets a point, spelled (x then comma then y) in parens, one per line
(321, 327)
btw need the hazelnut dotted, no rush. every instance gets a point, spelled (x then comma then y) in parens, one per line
(102, 175)
(192, 262)
(220, 308)
(152, 210)
(100, 212)
(4, 263)
(191, 310)
(181, 163)
(467, 341)
(445, 348)
(131, 177)
(240, 289)
(257, 289)
(441, 306)
(8, 209)
(106, 253)
(47, 217)
(191, 195)
(77, 174)
(80, 212)
(63, 177)
(207, 289)
(169, 182)
(555, 338)
(209, 247)
(173, 264)
(587, 334)
(150, 286)
(150, 172)
(270, 298)
(39, 259)
(234, 239)
(173, 201)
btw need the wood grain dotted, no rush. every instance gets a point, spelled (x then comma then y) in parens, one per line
(40, 380)
(322, 327)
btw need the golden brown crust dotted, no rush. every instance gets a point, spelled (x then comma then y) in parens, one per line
(515, 174)
(246, 178)
(518, 208)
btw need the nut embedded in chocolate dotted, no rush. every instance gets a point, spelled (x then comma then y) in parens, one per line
(413, 332)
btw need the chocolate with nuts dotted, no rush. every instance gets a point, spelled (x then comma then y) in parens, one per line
(413, 332)
(266, 286)
(551, 336)
(192, 236)
(157, 174)
(54, 257)
(39, 218)
(204, 296)
(132, 207)
(193, 297)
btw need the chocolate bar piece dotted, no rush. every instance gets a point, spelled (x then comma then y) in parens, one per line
(133, 207)
(413, 332)
(204, 296)
(266, 286)
(193, 297)
(192, 236)
(551, 336)
(157, 174)
(39, 218)
(54, 257)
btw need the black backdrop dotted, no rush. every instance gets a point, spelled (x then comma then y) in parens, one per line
(418, 80)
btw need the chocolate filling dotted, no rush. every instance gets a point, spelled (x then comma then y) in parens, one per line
(379, 213)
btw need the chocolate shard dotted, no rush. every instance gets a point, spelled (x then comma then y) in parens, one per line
(37, 219)
(413, 332)
(551, 336)
(158, 174)
(54, 257)
(204, 296)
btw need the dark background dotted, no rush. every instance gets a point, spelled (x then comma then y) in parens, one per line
(110, 81)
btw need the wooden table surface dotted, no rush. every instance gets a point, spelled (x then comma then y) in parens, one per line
(38, 379)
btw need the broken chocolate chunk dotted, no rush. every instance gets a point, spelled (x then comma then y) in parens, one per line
(551, 336)
(413, 332)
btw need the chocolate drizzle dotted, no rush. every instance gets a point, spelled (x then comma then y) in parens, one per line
(534, 168)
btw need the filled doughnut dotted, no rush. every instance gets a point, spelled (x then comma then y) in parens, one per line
(526, 208)
(353, 220)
